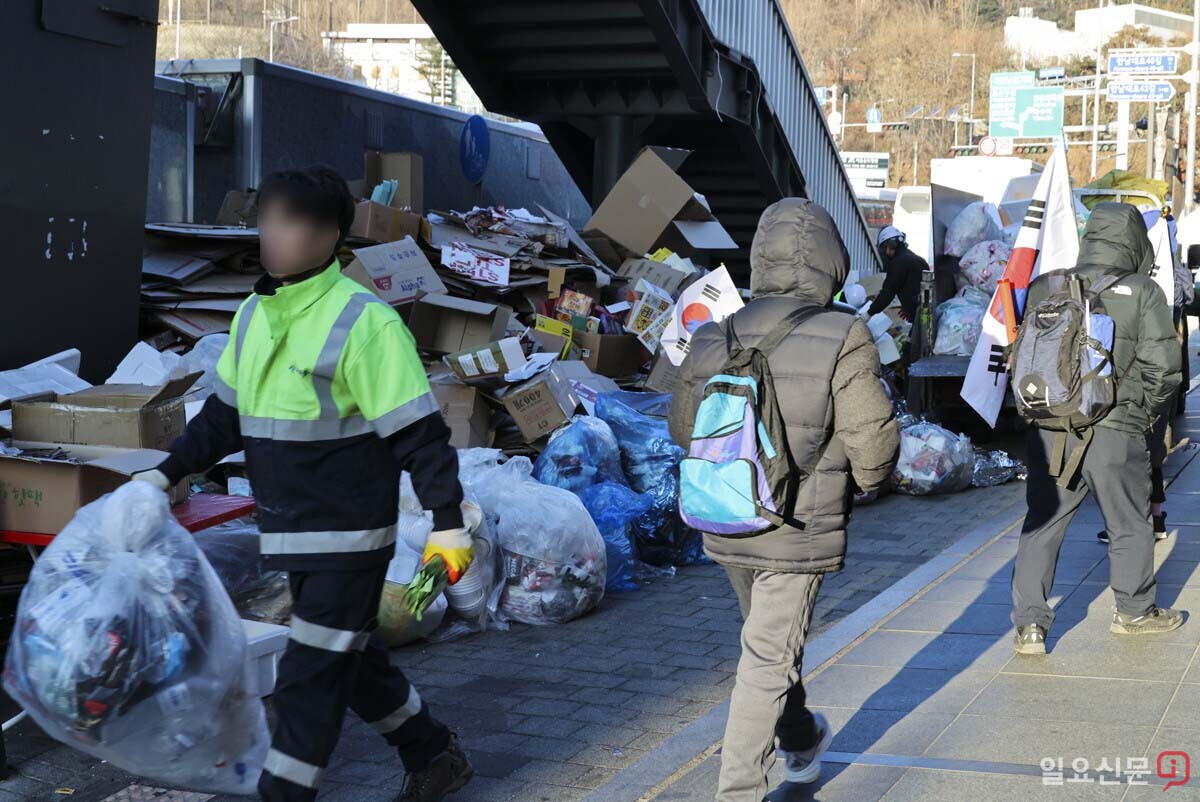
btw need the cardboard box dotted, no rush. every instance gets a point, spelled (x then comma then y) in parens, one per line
(119, 415)
(466, 413)
(240, 208)
(587, 385)
(652, 206)
(445, 324)
(614, 355)
(664, 376)
(41, 495)
(660, 274)
(397, 272)
(557, 329)
(489, 362)
(380, 223)
(406, 168)
(542, 404)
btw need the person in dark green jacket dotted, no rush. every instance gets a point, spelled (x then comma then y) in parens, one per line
(1116, 465)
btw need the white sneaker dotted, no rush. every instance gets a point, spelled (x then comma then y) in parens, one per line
(805, 767)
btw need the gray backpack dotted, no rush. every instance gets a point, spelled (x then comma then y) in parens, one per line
(1062, 366)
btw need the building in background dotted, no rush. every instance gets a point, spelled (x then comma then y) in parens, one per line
(405, 60)
(1042, 40)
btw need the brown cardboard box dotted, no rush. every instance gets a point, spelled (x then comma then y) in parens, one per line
(542, 404)
(660, 274)
(41, 496)
(614, 355)
(651, 206)
(119, 415)
(240, 208)
(663, 376)
(445, 324)
(491, 361)
(397, 271)
(380, 223)
(467, 414)
(407, 168)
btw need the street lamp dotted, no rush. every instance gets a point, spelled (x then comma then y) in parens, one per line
(971, 103)
(271, 36)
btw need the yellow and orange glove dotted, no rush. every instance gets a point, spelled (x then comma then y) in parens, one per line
(456, 547)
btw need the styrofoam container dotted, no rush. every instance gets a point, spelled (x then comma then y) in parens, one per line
(264, 646)
(468, 596)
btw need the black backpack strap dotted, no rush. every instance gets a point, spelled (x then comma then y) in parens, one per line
(786, 326)
(1106, 282)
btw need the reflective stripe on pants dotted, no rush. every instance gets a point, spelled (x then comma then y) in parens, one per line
(316, 685)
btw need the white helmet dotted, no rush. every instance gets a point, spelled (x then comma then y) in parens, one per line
(890, 233)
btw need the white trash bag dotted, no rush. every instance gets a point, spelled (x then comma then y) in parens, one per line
(554, 559)
(959, 321)
(127, 647)
(933, 460)
(983, 265)
(978, 222)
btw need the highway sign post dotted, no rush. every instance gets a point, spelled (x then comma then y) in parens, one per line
(874, 120)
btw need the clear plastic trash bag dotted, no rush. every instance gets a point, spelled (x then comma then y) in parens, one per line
(554, 559)
(977, 222)
(203, 358)
(127, 647)
(579, 455)
(650, 459)
(959, 322)
(983, 265)
(614, 508)
(933, 460)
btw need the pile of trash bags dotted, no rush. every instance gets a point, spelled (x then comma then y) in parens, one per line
(650, 460)
(977, 222)
(127, 647)
(933, 460)
(554, 559)
(982, 266)
(959, 322)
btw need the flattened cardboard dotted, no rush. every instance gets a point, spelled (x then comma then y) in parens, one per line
(444, 324)
(664, 376)
(195, 323)
(179, 268)
(240, 208)
(41, 496)
(380, 223)
(467, 414)
(116, 415)
(406, 168)
(438, 234)
(587, 385)
(613, 355)
(397, 272)
(542, 404)
(660, 274)
(648, 200)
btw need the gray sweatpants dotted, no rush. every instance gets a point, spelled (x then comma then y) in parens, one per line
(1117, 469)
(768, 697)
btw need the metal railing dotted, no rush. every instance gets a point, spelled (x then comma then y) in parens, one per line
(759, 29)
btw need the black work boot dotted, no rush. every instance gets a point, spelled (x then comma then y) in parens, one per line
(445, 774)
(1030, 639)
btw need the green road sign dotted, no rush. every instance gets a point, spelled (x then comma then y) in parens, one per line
(1002, 101)
(1018, 109)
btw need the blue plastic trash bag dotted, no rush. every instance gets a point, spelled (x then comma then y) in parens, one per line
(580, 455)
(651, 460)
(614, 508)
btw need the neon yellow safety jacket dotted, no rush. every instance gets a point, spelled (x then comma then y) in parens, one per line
(322, 387)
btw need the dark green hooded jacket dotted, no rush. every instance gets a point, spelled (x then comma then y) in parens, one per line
(1145, 351)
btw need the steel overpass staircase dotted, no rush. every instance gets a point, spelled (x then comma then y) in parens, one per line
(605, 77)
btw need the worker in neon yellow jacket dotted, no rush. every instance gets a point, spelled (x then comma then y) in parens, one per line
(322, 387)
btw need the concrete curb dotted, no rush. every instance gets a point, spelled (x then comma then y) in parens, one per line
(699, 739)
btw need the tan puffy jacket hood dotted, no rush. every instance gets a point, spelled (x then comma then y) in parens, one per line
(798, 252)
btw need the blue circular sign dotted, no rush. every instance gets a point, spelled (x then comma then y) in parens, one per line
(474, 148)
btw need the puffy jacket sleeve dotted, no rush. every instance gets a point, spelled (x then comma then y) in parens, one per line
(389, 384)
(215, 432)
(862, 414)
(893, 280)
(1158, 355)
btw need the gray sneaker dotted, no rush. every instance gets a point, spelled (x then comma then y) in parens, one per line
(805, 767)
(1158, 619)
(1030, 639)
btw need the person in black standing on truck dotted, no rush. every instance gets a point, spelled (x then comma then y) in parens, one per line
(903, 269)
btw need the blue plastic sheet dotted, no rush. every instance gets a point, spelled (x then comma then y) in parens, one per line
(614, 508)
(650, 459)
